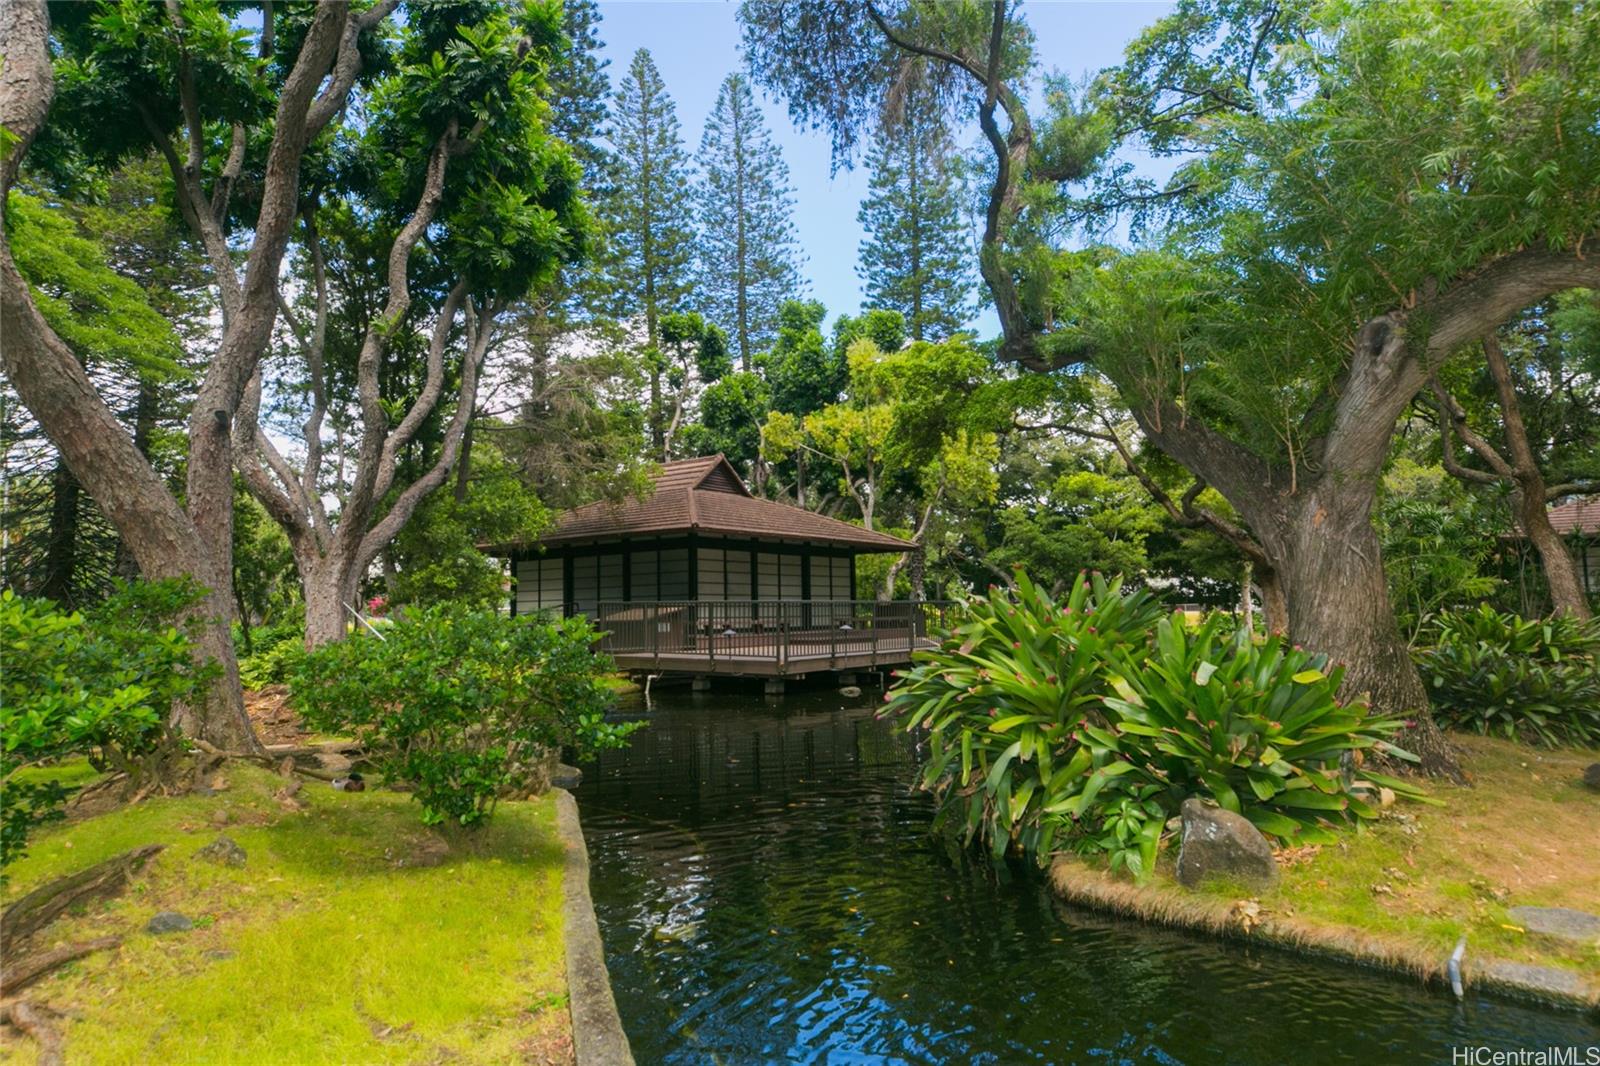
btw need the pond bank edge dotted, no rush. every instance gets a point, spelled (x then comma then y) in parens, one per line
(598, 1038)
(1092, 889)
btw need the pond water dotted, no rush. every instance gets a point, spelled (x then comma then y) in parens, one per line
(769, 891)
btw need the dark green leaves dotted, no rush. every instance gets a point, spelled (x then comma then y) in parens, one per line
(465, 705)
(1086, 723)
(1535, 680)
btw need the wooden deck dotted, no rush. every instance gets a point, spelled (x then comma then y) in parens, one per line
(776, 638)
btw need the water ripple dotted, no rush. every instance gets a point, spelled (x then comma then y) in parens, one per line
(769, 892)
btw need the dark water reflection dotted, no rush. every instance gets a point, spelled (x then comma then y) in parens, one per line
(768, 891)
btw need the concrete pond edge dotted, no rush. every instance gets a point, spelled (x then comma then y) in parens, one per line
(598, 1038)
(1094, 890)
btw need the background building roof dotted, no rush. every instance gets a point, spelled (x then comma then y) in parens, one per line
(706, 495)
(1578, 515)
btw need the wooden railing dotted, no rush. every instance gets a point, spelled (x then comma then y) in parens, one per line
(814, 633)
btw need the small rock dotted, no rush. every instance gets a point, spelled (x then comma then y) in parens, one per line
(564, 776)
(850, 692)
(1219, 843)
(220, 817)
(168, 922)
(1563, 923)
(1591, 776)
(223, 851)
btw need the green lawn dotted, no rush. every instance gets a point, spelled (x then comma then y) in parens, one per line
(326, 947)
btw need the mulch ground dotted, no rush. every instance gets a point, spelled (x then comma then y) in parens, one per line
(275, 721)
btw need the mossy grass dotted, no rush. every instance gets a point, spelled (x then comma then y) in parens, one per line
(74, 773)
(330, 945)
(1402, 890)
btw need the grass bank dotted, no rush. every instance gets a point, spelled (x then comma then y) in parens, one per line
(1401, 892)
(351, 934)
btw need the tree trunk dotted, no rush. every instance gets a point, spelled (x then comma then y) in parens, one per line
(1274, 605)
(916, 571)
(103, 459)
(145, 409)
(463, 469)
(1247, 606)
(328, 586)
(1339, 605)
(1566, 587)
(1560, 570)
(61, 551)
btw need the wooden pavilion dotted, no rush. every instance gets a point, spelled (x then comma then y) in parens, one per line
(701, 577)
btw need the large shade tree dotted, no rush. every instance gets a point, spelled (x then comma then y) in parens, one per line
(455, 149)
(227, 110)
(1372, 187)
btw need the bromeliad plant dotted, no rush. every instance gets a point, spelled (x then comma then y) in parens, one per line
(1086, 724)
(1005, 702)
(1259, 728)
(1527, 679)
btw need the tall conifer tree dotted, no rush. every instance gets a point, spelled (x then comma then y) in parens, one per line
(748, 257)
(916, 256)
(649, 213)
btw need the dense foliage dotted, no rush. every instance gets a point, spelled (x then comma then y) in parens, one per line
(100, 683)
(1528, 679)
(465, 706)
(1085, 723)
(273, 653)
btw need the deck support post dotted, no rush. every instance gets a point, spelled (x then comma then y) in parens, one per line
(772, 687)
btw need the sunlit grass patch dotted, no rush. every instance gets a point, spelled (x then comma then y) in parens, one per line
(1404, 888)
(329, 945)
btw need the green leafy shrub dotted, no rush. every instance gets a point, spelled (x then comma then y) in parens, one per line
(101, 683)
(274, 650)
(1005, 699)
(1085, 724)
(1257, 727)
(1529, 679)
(465, 706)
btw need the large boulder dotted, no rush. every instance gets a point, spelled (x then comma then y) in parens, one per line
(1220, 844)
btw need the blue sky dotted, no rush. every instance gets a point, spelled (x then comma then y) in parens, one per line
(695, 44)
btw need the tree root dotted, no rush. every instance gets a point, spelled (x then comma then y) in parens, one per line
(278, 755)
(29, 1019)
(44, 904)
(24, 972)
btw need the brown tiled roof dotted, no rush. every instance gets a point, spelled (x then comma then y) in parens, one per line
(706, 495)
(1578, 515)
